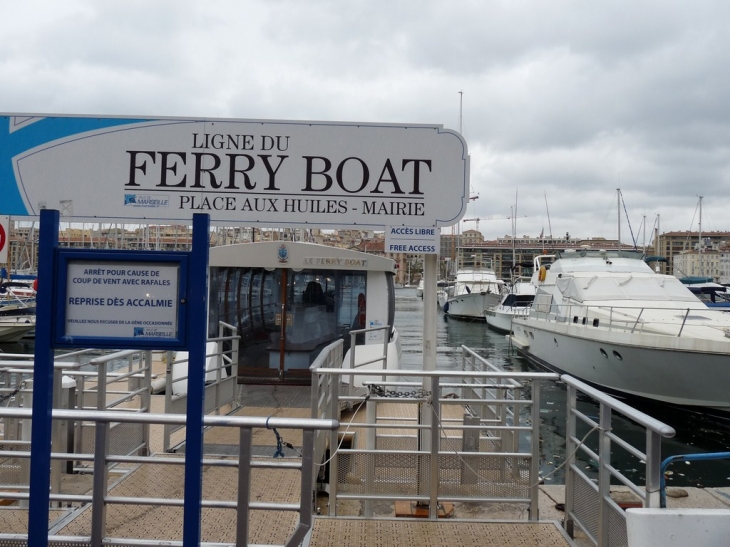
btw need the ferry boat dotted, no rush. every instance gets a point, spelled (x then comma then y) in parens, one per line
(289, 300)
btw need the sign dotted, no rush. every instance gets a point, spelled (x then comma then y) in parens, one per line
(4, 238)
(412, 240)
(120, 298)
(257, 172)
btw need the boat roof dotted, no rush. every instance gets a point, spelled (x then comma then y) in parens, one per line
(610, 261)
(296, 255)
(468, 275)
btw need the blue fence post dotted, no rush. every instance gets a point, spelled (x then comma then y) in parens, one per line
(197, 318)
(685, 458)
(40, 455)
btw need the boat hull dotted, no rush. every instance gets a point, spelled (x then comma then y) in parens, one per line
(500, 318)
(471, 307)
(676, 370)
(14, 331)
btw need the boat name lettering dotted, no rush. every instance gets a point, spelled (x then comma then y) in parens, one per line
(314, 261)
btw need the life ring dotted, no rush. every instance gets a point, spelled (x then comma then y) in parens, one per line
(542, 273)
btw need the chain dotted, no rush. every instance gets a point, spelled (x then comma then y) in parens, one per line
(12, 394)
(380, 391)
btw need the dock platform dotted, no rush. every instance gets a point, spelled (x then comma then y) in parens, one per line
(472, 524)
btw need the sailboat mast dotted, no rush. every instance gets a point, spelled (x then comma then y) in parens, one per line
(618, 210)
(702, 269)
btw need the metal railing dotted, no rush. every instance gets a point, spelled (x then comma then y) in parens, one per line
(589, 504)
(82, 379)
(101, 498)
(459, 436)
(104, 381)
(469, 435)
(620, 318)
(221, 379)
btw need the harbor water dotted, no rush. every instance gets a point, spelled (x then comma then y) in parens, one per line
(696, 432)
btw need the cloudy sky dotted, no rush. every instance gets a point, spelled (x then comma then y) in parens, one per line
(564, 101)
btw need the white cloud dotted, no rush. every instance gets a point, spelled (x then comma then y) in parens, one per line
(566, 99)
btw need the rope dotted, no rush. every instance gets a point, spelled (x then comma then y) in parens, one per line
(279, 453)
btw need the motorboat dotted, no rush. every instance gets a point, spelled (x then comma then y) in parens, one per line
(290, 300)
(17, 310)
(474, 292)
(712, 294)
(606, 317)
(14, 327)
(419, 288)
(516, 301)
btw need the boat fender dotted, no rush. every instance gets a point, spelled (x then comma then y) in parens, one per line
(542, 274)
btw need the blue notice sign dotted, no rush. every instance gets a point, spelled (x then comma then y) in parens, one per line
(120, 298)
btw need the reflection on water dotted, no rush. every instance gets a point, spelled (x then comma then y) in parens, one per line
(695, 432)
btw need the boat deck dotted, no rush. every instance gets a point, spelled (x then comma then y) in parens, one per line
(470, 524)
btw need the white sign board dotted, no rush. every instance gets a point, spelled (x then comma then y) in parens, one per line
(257, 172)
(4, 238)
(122, 300)
(412, 240)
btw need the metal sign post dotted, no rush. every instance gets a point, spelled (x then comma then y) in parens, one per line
(40, 455)
(120, 300)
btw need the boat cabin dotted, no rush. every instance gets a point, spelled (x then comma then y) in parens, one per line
(289, 300)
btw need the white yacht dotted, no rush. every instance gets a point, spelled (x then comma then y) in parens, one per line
(17, 310)
(604, 316)
(516, 301)
(474, 292)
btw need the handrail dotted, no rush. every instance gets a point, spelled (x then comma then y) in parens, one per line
(594, 519)
(491, 417)
(684, 458)
(622, 318)
(100, 500)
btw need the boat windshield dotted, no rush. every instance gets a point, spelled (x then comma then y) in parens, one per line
(285, 317)
(601, 253)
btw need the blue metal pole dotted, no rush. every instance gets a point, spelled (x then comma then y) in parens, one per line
(684, 458)
(40, 455)
(197, 319)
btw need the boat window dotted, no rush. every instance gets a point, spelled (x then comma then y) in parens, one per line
(351, 313)
(603, 352)
(618, 356)
(391, 303)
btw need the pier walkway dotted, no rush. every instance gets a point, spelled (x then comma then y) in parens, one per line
(367, 519)
(470, 525)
